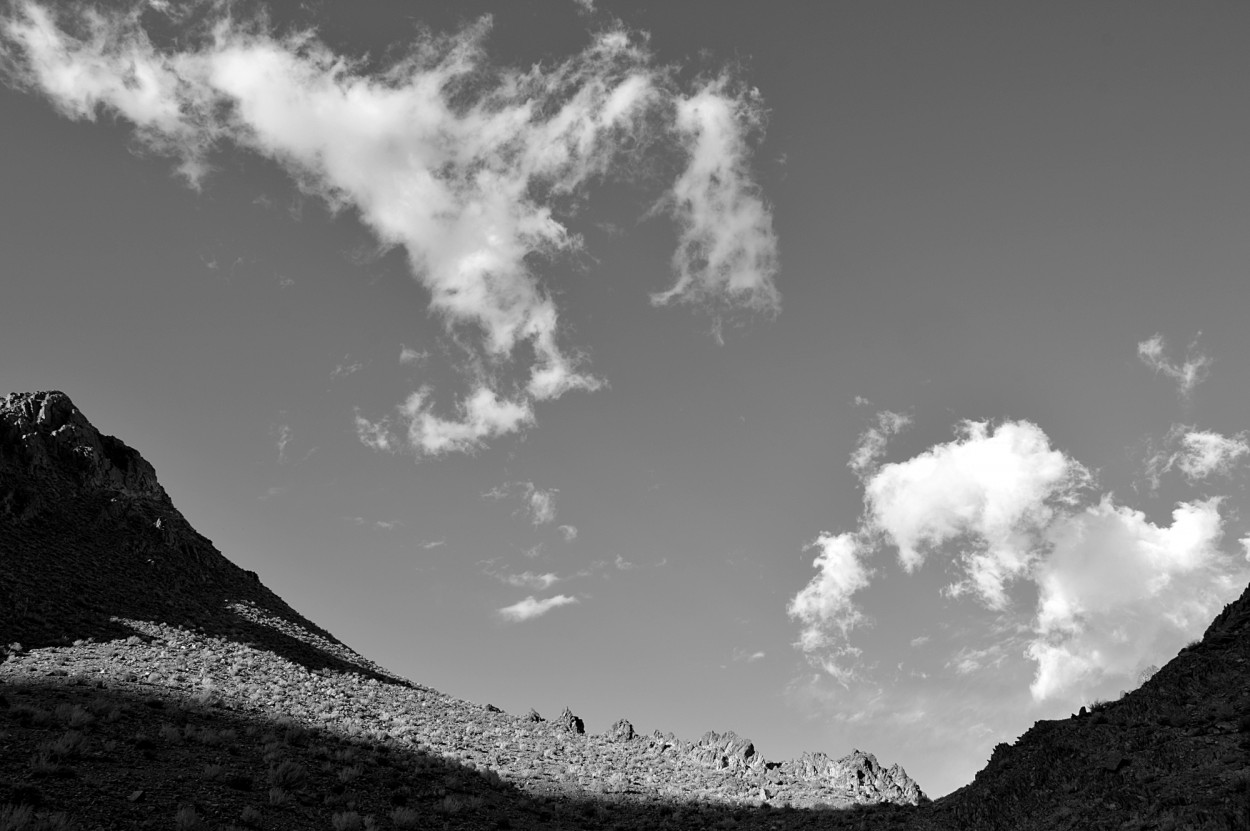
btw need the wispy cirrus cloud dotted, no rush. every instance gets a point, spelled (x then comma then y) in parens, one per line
(536, 503)
(1187, 374)
(872, 442)
(1198, 454)
(528, 579)
(530, 607)
(283, 435)
(569, 532)
(476, 171)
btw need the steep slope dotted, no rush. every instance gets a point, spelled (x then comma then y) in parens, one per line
(1173, 754)
(112, 604)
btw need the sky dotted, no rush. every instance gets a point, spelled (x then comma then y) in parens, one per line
(870, 376)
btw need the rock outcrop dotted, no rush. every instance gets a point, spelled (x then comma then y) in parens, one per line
(857, 774)
(621, 731)
(570, 723)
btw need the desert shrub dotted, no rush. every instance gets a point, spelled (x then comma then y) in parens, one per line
(187, 819)
(278, 796)
(24, 818)
(214, 773)
(350, 774)
(347, 821)
(287, 774)
(405, 818)
(250, 815)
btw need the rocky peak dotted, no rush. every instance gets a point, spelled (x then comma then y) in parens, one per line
(47, 441)
(858, 774)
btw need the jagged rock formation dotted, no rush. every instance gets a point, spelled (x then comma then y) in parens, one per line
(858, 774)
(621, 731)
(570, 723)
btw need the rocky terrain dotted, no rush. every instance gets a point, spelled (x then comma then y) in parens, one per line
(131, 639)
(147, 682)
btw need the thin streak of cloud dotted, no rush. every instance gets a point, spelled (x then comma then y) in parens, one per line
(530, 608)
(429, 545)
(477, 182)
(537, 504)
(529, 580)
(1187, 374)
(346, 367)
(284, 434)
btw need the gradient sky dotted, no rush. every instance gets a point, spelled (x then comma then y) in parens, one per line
(937, 429)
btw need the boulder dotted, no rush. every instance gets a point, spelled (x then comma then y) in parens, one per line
(621, 731)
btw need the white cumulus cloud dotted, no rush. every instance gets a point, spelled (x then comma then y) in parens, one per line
(569, 532)
(476, 171)
(1198, 454)
(530, 608)
(1117, 591)
(990, 491)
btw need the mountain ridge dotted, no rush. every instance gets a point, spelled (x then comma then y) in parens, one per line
(110, 580)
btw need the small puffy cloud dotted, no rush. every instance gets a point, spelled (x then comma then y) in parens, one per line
(824, 607)
(477, 172)
(624, 565)
(569, 532)
(538, 504)
(530, 608)
(1187, 374)
(429, 545)
(1198, 454)
(919, 641)
(991, 490)
(1205, 453)
(1118, 591)
(410, 356)
(871, 445)
(743, 656)
(481, 417)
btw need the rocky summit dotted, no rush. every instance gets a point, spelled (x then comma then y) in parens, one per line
(148, 682)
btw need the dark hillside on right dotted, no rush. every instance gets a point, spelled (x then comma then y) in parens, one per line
(1174, 754)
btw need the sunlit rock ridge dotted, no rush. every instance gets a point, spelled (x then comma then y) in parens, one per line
(107, 587)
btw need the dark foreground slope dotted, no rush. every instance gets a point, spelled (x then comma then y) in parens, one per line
(1174, 754)
(147, 676)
